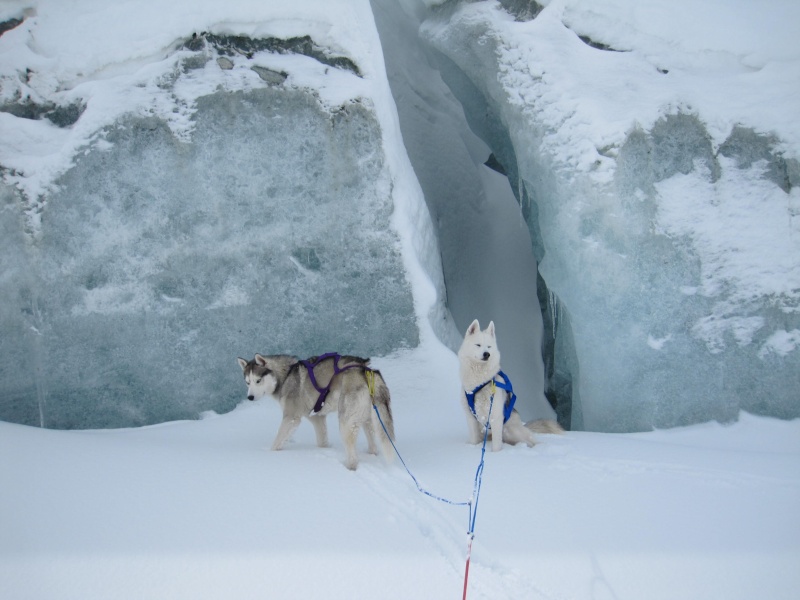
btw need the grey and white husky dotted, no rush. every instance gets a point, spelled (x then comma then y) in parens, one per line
(317, 386)
(479, 368)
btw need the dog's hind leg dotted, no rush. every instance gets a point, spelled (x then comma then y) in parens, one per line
(515, 432)
(288, 425)
(381, 417)
(349, 433)
(369, 433)
(320, 429)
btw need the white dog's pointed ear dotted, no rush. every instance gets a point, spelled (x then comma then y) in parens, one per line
(260, 360)
(490, 328)
(474, 327)
(242, 363)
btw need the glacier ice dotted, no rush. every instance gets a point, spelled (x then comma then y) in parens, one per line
(161, 257)
(669, 254)
(484, 242)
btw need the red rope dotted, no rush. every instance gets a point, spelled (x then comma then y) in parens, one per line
(466, 570)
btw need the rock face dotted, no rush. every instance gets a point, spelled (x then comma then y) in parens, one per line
(264, 229)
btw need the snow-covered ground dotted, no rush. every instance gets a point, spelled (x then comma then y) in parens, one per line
(202, 509)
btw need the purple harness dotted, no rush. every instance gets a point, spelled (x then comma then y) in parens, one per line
(310, 363)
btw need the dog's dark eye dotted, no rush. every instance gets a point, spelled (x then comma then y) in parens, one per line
(258, 380)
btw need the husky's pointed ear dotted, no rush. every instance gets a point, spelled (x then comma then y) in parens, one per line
(490, 328)
(474, 327)
(260, 360)
(242, 363)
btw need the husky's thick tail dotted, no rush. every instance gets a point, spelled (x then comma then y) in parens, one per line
(382, 402)
(544, 426)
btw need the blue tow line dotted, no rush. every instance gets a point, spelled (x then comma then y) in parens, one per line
(476, 486)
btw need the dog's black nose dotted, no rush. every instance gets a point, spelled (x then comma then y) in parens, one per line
(486, 356)
(251, 397)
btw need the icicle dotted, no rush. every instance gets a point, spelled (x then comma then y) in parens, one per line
(39, 377)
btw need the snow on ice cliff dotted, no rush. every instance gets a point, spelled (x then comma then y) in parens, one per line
(654, 149)
(185, 183)
(182, 186)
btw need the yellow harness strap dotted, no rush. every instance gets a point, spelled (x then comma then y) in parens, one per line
(369, 374)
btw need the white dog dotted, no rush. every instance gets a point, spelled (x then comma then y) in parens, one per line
(481, 381)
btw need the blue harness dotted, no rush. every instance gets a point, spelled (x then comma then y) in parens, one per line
(312, 362)
(503, 385)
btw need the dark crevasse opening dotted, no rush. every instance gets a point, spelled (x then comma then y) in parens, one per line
(485, 219)
(667, 248)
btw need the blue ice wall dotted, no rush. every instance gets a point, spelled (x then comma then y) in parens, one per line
(640, 329)
(159, 261)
